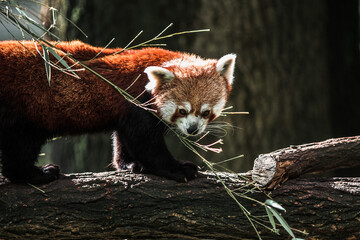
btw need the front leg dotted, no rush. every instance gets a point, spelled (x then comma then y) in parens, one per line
(141, 144)
(121, 158)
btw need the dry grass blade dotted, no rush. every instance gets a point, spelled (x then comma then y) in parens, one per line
(240, 113)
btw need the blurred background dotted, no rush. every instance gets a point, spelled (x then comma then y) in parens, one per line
(297, 69)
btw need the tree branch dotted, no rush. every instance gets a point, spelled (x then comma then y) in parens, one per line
(274, 168)
(121, 205)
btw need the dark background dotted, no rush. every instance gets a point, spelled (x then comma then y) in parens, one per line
(297, 69)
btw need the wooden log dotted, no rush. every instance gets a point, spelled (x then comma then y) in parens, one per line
(121, 205)
(272, 169)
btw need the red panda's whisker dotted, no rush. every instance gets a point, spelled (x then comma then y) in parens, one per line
(219, 133)
(218, 128)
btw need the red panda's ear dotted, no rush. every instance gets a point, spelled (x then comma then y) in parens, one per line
(157, 76)
(225, 66)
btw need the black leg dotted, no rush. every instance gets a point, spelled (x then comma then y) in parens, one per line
(143, 145)
(122, 159)
(20, 150)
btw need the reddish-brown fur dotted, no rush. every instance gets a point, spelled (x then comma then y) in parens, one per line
(32, 111)
(72, 104)
(198, 85)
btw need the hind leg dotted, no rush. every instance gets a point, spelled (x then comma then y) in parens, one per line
(20, 150)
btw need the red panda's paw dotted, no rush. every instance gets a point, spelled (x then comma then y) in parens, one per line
(34, 175)
(186, 172)
(180, 172)
(45, 174)
(134, 167)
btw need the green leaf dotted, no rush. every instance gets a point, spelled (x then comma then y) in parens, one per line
(33, 22)
(61, 60)
(271, 219)
(282, 221)
(274, 204)
(47, 64)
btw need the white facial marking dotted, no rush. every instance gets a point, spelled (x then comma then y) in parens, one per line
(217, 109)
(167, 110)
(205, 107)
(187, 106)
(190, 120)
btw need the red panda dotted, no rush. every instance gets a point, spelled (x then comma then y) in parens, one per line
(186, 91)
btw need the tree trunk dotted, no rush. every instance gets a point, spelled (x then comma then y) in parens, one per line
(122, 205)
(344, 67)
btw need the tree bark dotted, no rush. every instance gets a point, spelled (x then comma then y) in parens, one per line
(121, 205)
(274, 168)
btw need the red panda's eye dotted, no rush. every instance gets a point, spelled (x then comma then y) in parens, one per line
(205, 113)
(182, 112)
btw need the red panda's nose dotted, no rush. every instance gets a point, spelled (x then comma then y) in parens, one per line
(193, 129)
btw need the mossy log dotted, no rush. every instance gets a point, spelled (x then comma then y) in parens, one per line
(122, 205)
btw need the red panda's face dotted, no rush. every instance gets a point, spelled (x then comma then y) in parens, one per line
(191, 92)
